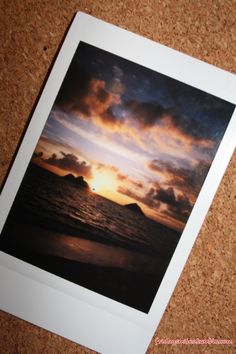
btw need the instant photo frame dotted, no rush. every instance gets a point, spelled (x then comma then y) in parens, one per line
(57, 303)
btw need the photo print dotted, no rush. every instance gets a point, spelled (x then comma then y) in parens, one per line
(114, 176)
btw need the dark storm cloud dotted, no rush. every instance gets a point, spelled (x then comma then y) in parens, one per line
(177, 206)
(71, 163)
(85, 93)
(192, 179)
(97, 81)
(147, 114)
(166, 196)
(74, 88)
(88, 99)
(189, 126)
(147, 199)
(186, 179)
(92, 99)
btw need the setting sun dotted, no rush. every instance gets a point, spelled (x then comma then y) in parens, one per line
(103, 182)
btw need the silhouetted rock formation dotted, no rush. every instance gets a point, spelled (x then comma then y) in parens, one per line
(135, 207)
(77, 181)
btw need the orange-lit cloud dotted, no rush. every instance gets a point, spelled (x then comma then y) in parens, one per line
(96, 104)
(148, 125)
(145, 129)
(100, 139)
(149, 114)
(169, 131)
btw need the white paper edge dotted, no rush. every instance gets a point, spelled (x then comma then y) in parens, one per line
(137, 327)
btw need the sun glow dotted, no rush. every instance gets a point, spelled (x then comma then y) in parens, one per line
(103, 182)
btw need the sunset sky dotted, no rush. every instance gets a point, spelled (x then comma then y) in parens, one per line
(133, 134)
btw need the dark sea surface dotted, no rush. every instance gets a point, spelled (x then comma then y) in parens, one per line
(76, 234)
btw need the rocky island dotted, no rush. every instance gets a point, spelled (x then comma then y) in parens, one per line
(135, 207)
(77, 181)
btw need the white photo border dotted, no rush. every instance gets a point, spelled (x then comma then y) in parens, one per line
(68, 309)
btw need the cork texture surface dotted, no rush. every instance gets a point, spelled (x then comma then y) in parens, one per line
(202, 305)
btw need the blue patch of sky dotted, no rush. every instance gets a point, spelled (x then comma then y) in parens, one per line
(54, 130)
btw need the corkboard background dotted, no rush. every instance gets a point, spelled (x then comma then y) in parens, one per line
(202, 305)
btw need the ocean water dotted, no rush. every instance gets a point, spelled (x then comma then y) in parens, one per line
(55, 203)
(87, 239)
